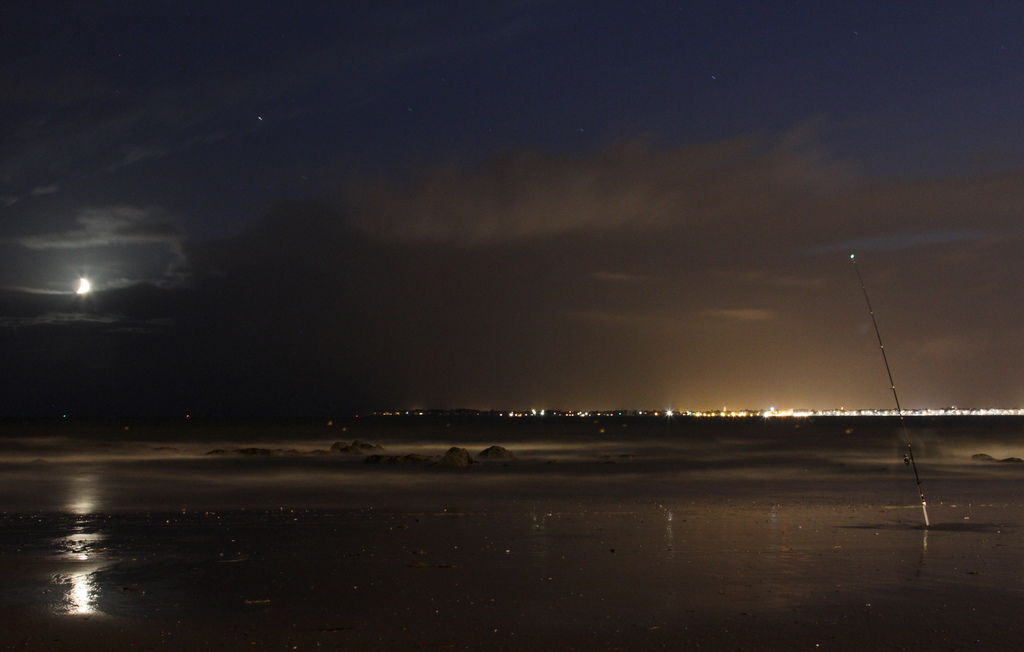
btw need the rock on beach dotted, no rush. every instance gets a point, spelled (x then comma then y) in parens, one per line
(411, 458)
(355, 448)
(456, 458)
(496, 453)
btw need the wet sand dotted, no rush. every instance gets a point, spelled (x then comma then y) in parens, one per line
(568, 547)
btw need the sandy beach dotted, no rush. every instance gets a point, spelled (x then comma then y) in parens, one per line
(683, 537)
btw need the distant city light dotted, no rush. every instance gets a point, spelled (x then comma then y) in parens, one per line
(724, 413)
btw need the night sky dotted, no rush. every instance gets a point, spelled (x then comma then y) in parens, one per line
(290, 210)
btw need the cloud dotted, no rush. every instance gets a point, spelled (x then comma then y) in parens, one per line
(710, 297)
(105, 322)
(953, 346)
(52, 318)
(740, 314)
(508, 280)
(619, 277)
(45, 190)
(898, 241)
(770, 280)
(635, 320)
(169, 115)
(136, 154)
(763, 198)
(61, 88)
(35, 290)
(109, 226)
(114, 246)
(532, 193)
(141, 305)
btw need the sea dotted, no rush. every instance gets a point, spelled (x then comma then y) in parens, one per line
(119, 465)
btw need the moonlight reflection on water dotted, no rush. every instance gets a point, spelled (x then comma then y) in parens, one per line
(82, 592)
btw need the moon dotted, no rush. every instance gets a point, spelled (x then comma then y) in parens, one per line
(83, 286)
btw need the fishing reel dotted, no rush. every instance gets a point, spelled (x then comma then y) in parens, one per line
(906, 461)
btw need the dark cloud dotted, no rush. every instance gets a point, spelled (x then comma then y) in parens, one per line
(701, 276)
(154, 86)
(897, 241)
(136, 305)
(482, 228)
(619, 277)
(478, 281)
(634, 186)
(136, 154)
(739, 314)
(54, 318)
(108, 226)
(59, 88)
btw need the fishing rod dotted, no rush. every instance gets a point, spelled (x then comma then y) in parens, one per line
(908, 458)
